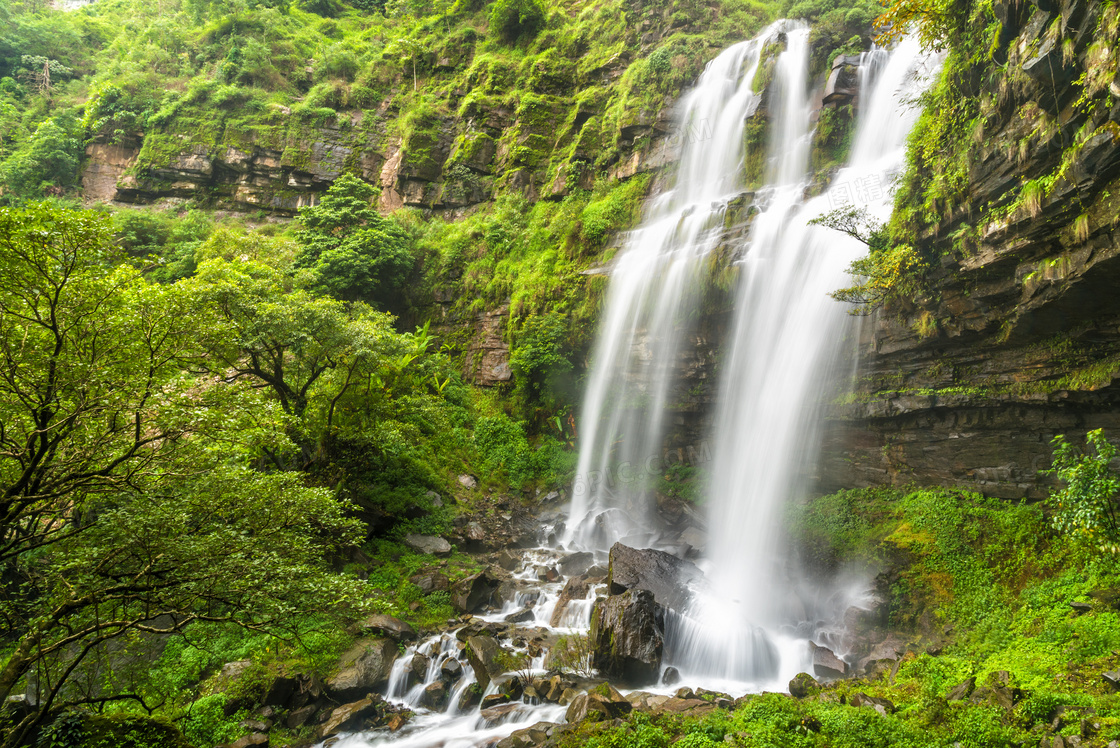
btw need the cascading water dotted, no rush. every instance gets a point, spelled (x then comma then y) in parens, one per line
(649, 305)
(745, 629)
(785, 342)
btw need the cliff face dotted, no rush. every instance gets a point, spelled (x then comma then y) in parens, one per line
(1018, 339)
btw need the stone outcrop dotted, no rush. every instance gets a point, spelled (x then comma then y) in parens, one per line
(364, 668)
(627, 637)
(472, 593)
(662, 574)
(1018, 338)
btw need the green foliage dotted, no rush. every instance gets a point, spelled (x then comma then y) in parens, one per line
(45, 164)
(1084, 510)
(132, 507)
(352, 252)
(515, 20)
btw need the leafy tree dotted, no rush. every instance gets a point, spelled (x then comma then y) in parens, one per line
(538, 362)
(48, 161)
(513, 20)
(302, 348)
(128, 506)
(1085, 509)
(889, 271)
(353, 253)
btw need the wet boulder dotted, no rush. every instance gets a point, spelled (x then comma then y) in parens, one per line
(364, 714)
(471, 594)
(802, 684)
(575, 588)
(451, 670)
(527, 737)
(576, 563)
(627, 637)
(418, 669)
(483, 654)
(663, 574)
(364, 668)
(498, 715)
(435, 696)
(826, 664)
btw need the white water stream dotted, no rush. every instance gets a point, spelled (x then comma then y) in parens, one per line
(749, 626)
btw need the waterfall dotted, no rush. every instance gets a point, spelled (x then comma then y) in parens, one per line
(746, 625)
(783, 348)
(651, 303)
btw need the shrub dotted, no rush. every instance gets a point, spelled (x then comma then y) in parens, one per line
(513, 20)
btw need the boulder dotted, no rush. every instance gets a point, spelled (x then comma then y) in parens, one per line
(576, 588)
(431, 581)
(497, 715)
(663, 574)
(350, 717)
(364, 668)
(521, 616)
(627, 637)
(527, 737)
(254, 740)
(297, 718)
(394, 628)
(435, 696)
(508, 560)
(429, 544)
(451, 670)
(482, 654)
(802, 684)
(468, 481)
(602, 703)
(418, 669)
(471, 594)
(576, 563)
(1112, 678)
(826, 664)
(671, 676)
(469, 698)
(962, 691)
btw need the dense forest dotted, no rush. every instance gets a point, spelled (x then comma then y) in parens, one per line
(298, 308)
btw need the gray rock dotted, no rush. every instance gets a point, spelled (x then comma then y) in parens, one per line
(482, 653)
(451, 670)
(671, 676)
(255, 740)
(663, 574)
(300, 717)
(394, 628)
(364, 668)
(471, 594)
(435, 696)
(826, 664)
(520, 616)
(431, 581)
(575, 588)
(418, 669)
(603, 703)
(497, 715)
(349, 717)
(627, 637)
(527, 737)
(576, 563)
(429, 544)
(468, 481)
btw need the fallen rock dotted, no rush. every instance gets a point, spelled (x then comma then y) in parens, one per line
(508, 560)
(1112, 678)
(418, 669)
(671, 676)
(803, 685)
(627, 637)
(364, 668)
(431, 581)
(603, 703)
(497, 715)
(520, 616)
(663, 574)
(962, 691)
(429, 544)
(297, 718)
(826, 664)
(255, 740)
(350, 717)
(882, 706)
(469, 698)
(469, 595)
(435, 696)
(576, 563)
(394, 628)
(576, 588)
(527, 737)
(468, 481)
(644, 701)
(451, 670)
(483, 655)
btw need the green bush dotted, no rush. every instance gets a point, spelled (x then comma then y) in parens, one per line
(1084, 511)
(514, 20)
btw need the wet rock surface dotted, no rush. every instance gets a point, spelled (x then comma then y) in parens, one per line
(660, 573)
(627, 637)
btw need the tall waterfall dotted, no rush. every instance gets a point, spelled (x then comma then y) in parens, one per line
(650, 301)
(777, 363)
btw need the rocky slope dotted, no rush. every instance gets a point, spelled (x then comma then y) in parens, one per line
(1018, 339)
